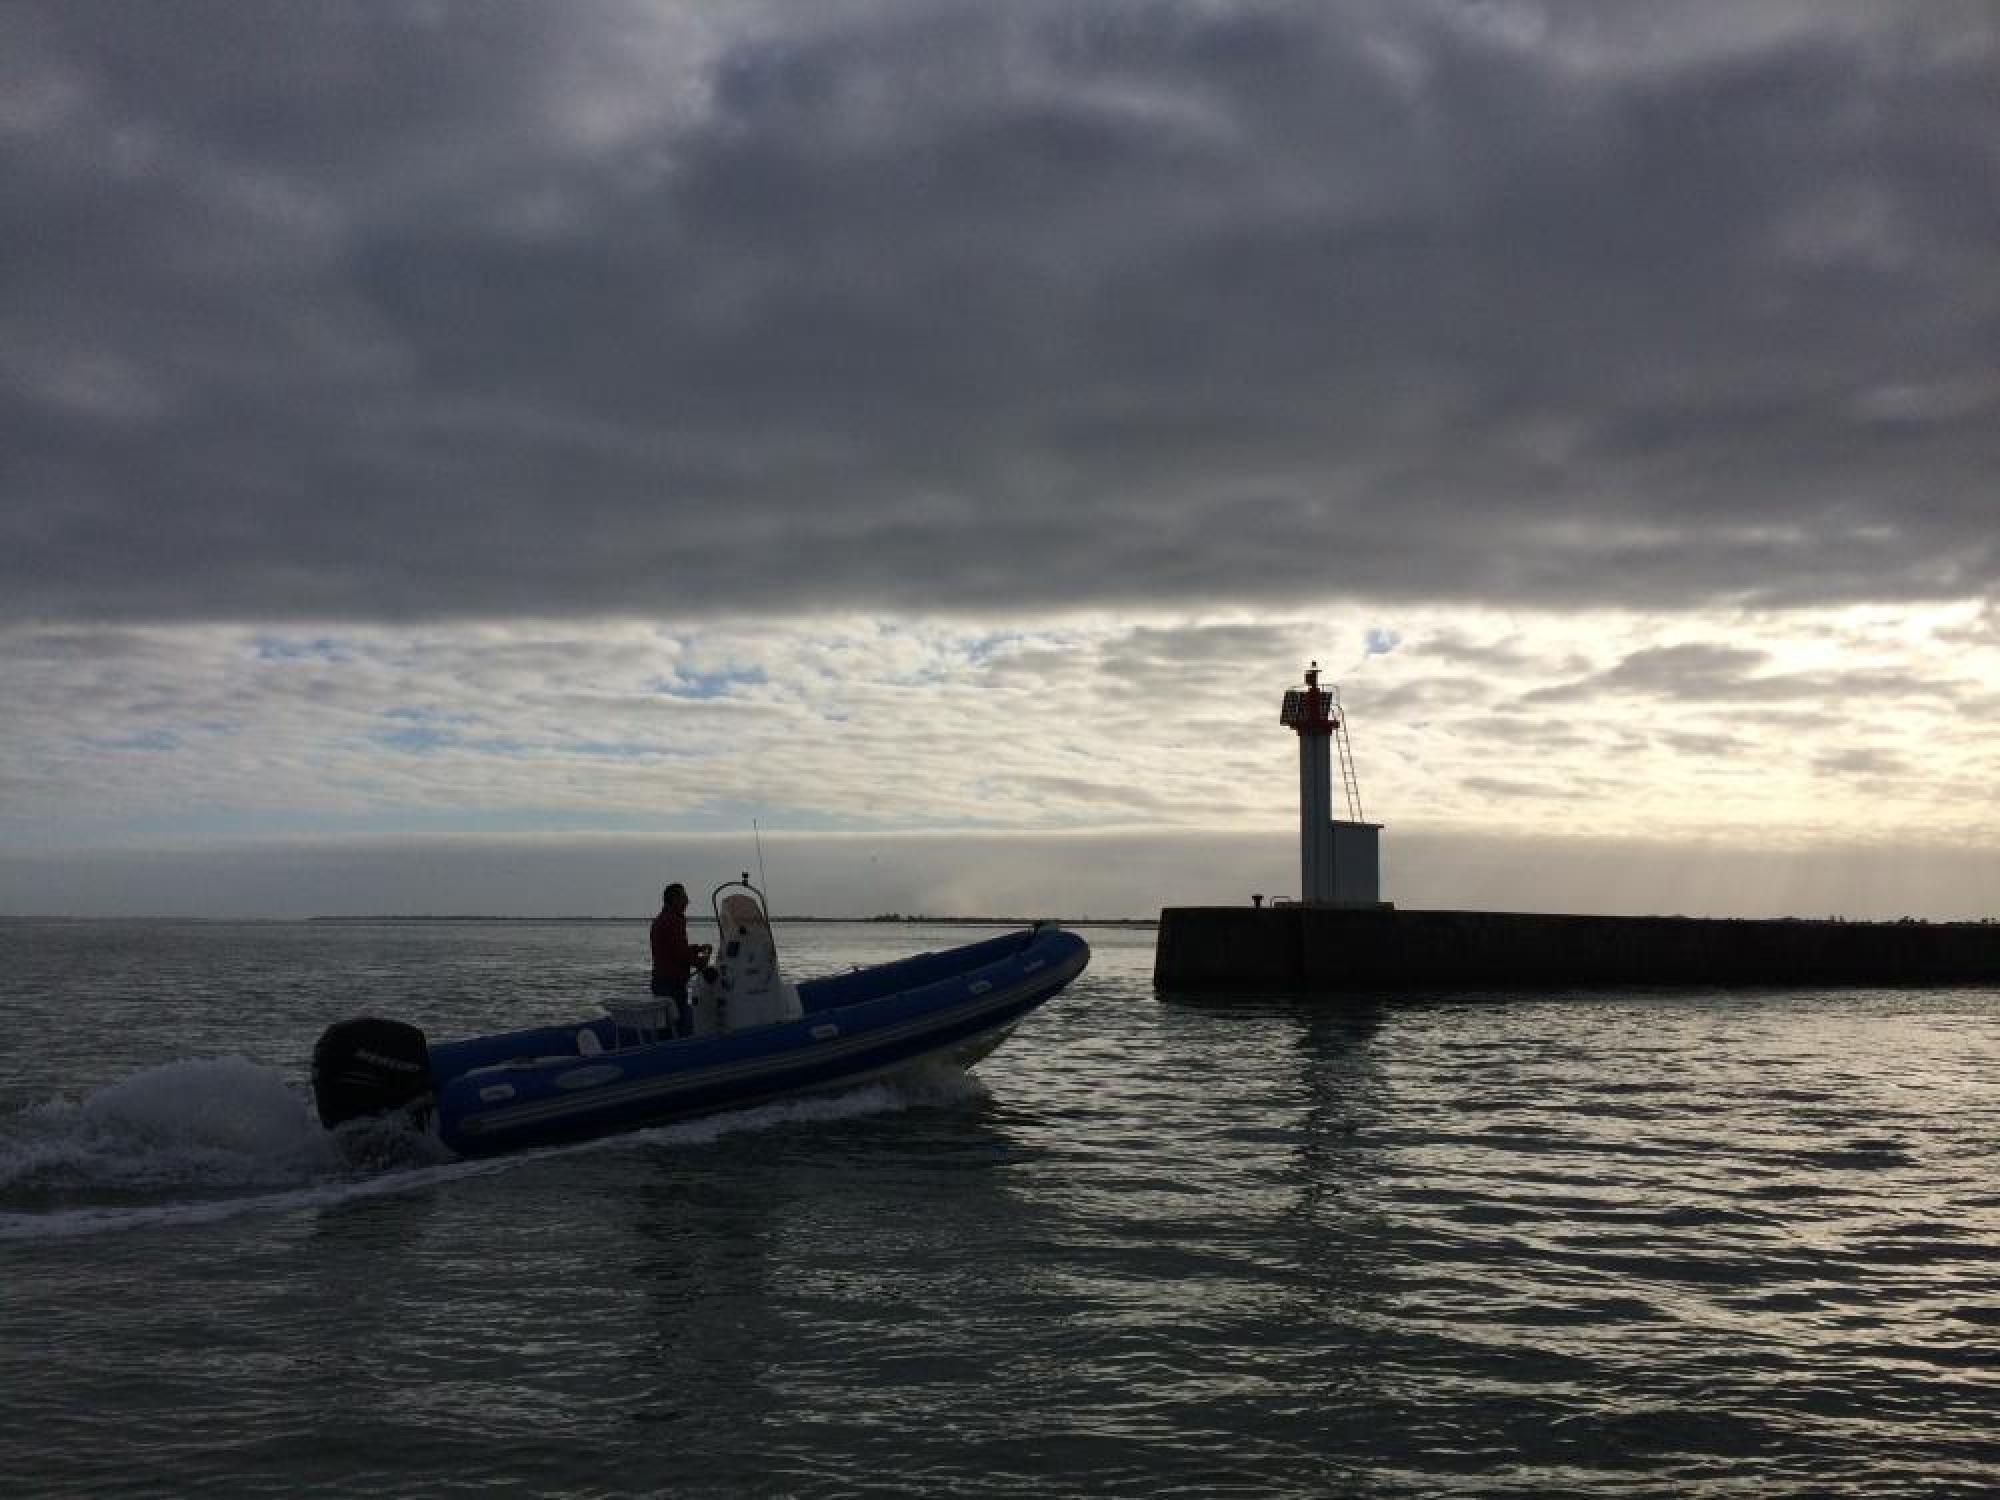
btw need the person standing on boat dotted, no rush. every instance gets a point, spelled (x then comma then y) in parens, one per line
(674, 957)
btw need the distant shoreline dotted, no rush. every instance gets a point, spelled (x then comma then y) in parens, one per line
(882, 921)
(447, 917)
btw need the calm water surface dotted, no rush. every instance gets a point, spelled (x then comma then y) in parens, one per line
(1664, 1243)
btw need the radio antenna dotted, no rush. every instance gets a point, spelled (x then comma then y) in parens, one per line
(762, 884)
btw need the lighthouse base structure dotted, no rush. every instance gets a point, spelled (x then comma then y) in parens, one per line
(1325, 950)
(1349, 855)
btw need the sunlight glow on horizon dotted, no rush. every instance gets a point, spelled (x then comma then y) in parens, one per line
(1769, 733)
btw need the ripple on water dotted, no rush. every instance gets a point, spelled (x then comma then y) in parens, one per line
(1647, 1244)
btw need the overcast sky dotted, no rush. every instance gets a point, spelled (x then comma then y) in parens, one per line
(482, 457)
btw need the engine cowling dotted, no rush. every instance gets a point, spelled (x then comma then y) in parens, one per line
(370, 1066)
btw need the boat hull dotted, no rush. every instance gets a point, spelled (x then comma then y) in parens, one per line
(547, 1085)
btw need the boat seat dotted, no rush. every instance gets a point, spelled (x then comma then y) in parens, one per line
(649, 1020)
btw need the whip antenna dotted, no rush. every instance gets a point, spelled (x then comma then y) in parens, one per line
(762, 884)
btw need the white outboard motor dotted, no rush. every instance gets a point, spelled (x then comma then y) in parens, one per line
(741, 987)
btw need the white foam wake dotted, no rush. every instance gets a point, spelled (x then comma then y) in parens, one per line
(216, 1123)
(209, 1139)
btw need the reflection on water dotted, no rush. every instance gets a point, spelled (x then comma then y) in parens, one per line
(1654, 1244)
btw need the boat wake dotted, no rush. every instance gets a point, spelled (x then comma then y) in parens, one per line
(202, 1140)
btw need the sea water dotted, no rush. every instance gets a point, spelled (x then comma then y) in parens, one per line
(1642, 1243)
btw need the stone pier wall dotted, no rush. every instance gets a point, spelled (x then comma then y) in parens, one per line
(1314, 949)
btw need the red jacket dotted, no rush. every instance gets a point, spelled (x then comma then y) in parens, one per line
(673, 954)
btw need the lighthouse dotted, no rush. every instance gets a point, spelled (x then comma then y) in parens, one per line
(1339, 859)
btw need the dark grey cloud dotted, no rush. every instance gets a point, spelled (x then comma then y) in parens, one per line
(1704, 672)
(1461, 649)
(1696, 670)
(1525, 732)
(1864, 761)
(427, 309)
(1420, 697)
(1709, 747)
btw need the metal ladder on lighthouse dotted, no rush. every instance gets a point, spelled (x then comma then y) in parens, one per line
(1348, 784)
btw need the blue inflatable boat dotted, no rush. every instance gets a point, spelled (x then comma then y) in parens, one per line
(747, 1037)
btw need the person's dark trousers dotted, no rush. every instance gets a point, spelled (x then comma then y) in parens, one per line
(667, 989)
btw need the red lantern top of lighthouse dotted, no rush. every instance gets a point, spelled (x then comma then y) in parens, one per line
(1309, 709)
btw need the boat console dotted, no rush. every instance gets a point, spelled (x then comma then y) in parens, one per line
(741, 987)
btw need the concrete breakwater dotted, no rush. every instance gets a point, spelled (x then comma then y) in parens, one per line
(1325, 949)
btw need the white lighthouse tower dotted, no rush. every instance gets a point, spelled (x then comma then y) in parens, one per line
(1339, 859)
